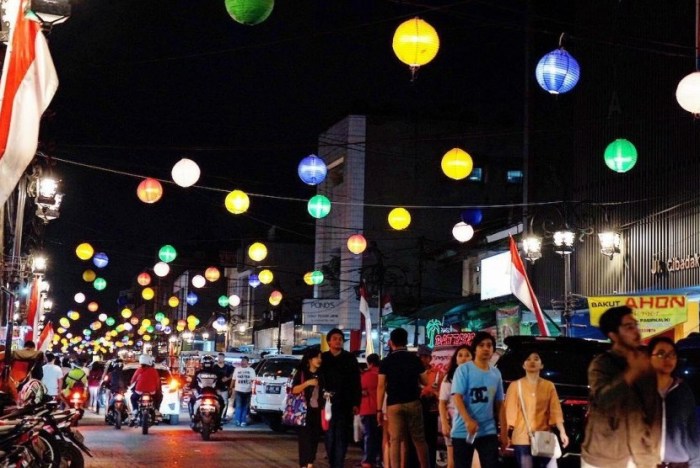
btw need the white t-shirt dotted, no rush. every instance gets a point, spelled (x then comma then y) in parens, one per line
(52, 373)
(446, 395)
(243, 379)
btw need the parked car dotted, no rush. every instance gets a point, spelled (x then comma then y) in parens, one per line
(170, 407)
(688, 367)
(274, 375)
(566, 363)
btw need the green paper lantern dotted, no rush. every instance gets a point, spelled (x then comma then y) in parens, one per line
(150, 329)
(223, 301)
(110, 321)
(620, 155)
(159, 316)
(99, 284)
(316, 277)
(319, 206)
(249, 12)
(167, 253)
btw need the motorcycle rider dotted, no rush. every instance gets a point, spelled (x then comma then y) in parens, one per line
(75, 380)
(145, 380)
(206, 377)
(115, 381)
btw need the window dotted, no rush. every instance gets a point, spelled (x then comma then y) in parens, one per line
(514, 177)
(477, 175)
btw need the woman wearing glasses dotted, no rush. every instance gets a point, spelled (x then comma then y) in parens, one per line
(680, 444)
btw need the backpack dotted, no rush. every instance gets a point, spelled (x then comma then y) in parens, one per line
(77, 383)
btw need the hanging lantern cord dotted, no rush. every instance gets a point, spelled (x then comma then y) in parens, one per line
(697, 35)
(414, 71)
(561, 38)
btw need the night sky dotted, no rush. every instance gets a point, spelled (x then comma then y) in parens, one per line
(145, 83)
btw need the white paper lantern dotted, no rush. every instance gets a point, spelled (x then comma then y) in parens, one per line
(185, 172)
(198, 281)
(234, 300)
(161, 269)
(79, 298)
(688, 93)
(462, 231)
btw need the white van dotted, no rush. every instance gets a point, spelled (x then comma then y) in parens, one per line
(270, 388)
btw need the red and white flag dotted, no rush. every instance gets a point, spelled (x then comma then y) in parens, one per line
(46, 338)
(521, 288)
(32, 307)
(28, 84)
(364, 310)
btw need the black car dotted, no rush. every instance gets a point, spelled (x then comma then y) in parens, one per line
(688, 367)
(566, 363)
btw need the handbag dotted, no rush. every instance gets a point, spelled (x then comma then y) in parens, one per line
(542, 443)
(326, 412)
(295, 408)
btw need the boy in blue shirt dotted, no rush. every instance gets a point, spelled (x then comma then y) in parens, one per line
(477, 389)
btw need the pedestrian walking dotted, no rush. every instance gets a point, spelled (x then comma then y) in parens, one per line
(243, 377)
(372, 437)
(429, 398)
(477, 389)
(400, 375)
(532, 404)
(223, 385)
(623, 429)
(53, 376)
(308, 380)
(341, 377)
(462, 355)
(680, 447)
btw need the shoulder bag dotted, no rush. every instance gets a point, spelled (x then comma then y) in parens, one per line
(295, 408)
(542, 443)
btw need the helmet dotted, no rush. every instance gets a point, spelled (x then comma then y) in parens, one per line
(74, 363)
(146, 360)
(207, 362)
(32, 393)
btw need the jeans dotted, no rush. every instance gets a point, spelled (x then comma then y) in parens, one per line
(407, 418)
(487, 446)
(525, 459)
(223, 394)
(372, 439)
(241, 403)
(338, 435)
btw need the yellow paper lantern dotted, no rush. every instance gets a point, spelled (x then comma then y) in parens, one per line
(148, 293)
(73, 315)
(415, 43)
(265, 276)
(237, 202)
(173, 301)
(399, 218)
(149, 190)
(457, 164)
(89, 276)
(191, 326)
(145, 323)
(84, 251)
(257, 251)
(212, 274)
(275, 298)
(64, 322)
(126, 313)
(308, 278)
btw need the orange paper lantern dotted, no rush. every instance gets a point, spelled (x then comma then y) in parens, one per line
(149, 190)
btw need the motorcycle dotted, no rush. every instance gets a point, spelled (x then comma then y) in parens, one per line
(146, 414)
(207, 410)
(117, 411)
(77, 402)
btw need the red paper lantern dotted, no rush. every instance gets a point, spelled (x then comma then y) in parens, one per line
(144, 279)
(357, 244)
(149, 190)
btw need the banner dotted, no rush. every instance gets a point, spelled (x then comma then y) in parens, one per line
(508, 323)
(655, 313)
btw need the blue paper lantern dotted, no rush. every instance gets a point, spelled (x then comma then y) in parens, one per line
(472, 216)
(312, 170)
(100, 259)
(253, 280)
(557, 72)
(191, 298)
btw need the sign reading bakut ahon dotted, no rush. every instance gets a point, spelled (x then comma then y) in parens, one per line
(655, 313)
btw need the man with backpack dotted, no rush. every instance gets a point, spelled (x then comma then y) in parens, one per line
(75, 381)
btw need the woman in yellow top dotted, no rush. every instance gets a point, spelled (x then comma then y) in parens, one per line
(543, 411)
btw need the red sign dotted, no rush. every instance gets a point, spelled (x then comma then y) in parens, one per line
(454, 339)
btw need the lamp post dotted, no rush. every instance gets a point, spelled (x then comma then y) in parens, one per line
(568, 226)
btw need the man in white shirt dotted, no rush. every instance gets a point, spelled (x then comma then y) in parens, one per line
(242, 386)
(53, 376)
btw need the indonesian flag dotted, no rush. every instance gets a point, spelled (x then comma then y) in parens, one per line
(32, 316)
(521, 288)
(46, 338)
(364, 310)
(28, 84)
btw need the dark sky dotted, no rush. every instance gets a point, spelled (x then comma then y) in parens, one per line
(144, 83)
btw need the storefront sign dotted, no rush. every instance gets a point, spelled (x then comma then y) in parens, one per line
(454, 339)
(322, 311)
(673, 264)
(655, 313)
